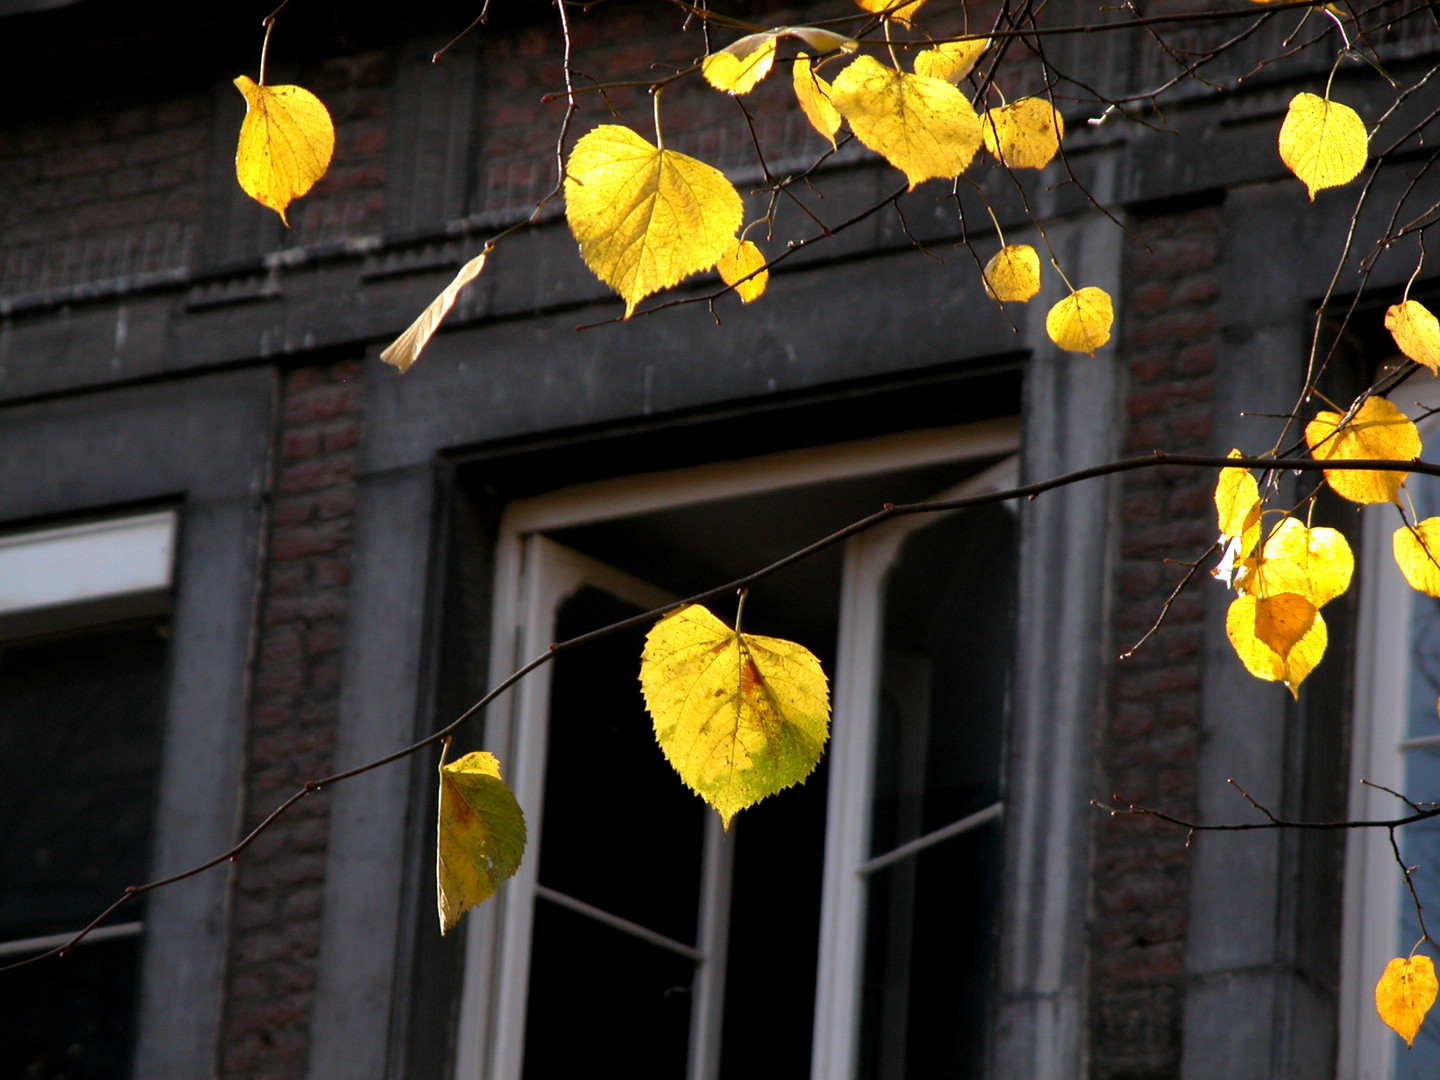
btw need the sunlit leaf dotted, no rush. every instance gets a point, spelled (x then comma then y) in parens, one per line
(742, 260)
(1024, 134)
(1416, 333)
(1314, 563)
(1405, 993)
(1377, 431)
(951, 60)
(813, 94)
(403, 351)
(1237, 507)
(1013, 273)
(286, 142)
(1417, 553)
(924, 127)
(739, 716)
(902, 11)
(481, 835)
(1323, 142)
(1081, 322)
(646, 218)
(1276, 617)
(739, 66)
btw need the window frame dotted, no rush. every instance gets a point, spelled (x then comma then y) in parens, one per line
(493, 996)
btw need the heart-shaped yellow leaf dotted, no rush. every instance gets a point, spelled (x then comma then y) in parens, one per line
(1013, 273)
(739, 66)
(813, 94)
(1377, 431)
(1417, 553)
(481, 835)
(1024, 134)
(951, 60)
(1314, 563)
(1323, 142)
(1249, 617)
(1416, 333)
(286, 142)
(646, 218)
(1405, 993)
(924, 127)
(743, 266)
(902, 11)
(739, 716)
(1081, 322)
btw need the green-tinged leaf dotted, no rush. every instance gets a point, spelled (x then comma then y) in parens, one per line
(481, 835)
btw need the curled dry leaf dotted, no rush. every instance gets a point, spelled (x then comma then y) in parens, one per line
(481, 835)
(924, 127)
(1323, 142)
(1377, 431)
(1416, 333)
(1256, 626)
(1024, 134)
(743, 266)
(739, 716)
(1013, 273)
(1081, 322)
(403, 351)
(646, 218)
(739, 66)
(813, 94)
(951, 60)
(286, 142)
(1417, 553)
(1405, 993)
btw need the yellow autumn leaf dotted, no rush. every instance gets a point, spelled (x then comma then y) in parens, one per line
(1405, 993)
(1417, 553)
(902, 11)
(1255, 626)
(1416, 333)
(286, 142)
(481, 835)
(739, 716)
(1237, 510)
(1024, 134)
(646, 218)
(1081, 321)
(1377, 431)
(738, 263)
(1323, 142)
(404, 350)
(813, 94)
(1013, 273)
(951, 60)
(924, 127)
(1314, 563)
(739, 66)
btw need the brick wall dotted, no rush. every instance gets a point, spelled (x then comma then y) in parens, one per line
(1148, 740)
(295, 697)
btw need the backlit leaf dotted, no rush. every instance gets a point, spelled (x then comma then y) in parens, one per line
(1013, 273)
(1417, 553)
(481, 835)
(1314, 563)
(1405, 993)
(286, 142)
(813, 94)
(1024, 134)
(1416, 333)
(1254, 626)
(951, 60)
(646, 218)
(741, 260)
(902, 11)
(403, 351)
(739, 66)
(1377, 431)
(1323, 142)
(1237, 507)
(1081, 322)
(924, 127)
(739, 716)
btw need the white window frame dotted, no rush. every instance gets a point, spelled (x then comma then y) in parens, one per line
(531, 572)
(1373, 885)
(76, 576)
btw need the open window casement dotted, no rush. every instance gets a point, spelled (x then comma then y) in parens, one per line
(635, 925)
